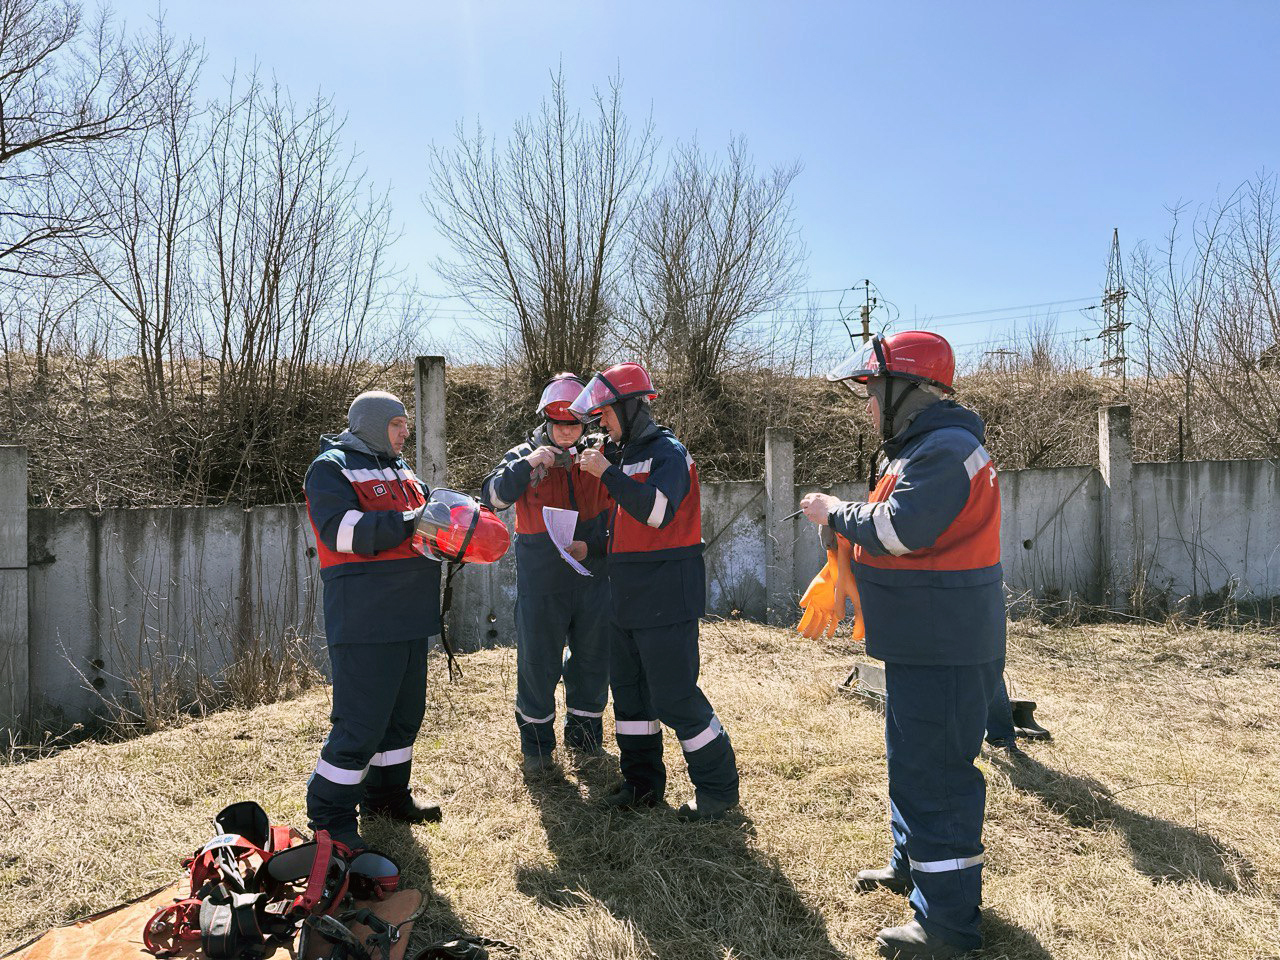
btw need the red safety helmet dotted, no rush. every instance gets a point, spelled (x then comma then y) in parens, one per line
(619, 382)
(560, 391)
(912, 355)
(455, 526)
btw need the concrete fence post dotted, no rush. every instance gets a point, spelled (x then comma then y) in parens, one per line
(779, 536)
(15, 671)
(429, 426)
(1116, 536)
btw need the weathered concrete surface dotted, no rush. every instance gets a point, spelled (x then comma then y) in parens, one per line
(1206, 525)
(125, 591)
(159, 592)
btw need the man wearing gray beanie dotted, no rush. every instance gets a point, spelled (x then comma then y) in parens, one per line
(381, 609)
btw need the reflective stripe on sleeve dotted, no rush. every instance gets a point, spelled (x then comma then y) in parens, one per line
(347, 530)
(945, 866)
(584, 713)
(348, 778)
(644, 466)
(884, 529)
(659, 511)
(497, 501)
(706, 736)
(976, 461)
(637, 728)
(391, 758)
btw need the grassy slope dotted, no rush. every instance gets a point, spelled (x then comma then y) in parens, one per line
(1149, 828)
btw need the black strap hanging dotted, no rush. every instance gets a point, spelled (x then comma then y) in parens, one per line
(446, 601)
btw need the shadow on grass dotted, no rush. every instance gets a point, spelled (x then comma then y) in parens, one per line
(1002, 939)
(1165, 851)
(692, 890)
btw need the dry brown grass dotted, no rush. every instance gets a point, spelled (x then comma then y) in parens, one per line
(1149, 828)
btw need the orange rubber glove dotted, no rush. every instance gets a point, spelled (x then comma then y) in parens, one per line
(819, 601)
(847, 588)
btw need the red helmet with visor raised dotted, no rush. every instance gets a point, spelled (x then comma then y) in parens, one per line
(912, 355)
(620, 382)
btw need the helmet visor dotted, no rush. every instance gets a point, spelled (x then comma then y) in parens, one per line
(854, 372)
(556, 399)
(595, 396)
(444, 528)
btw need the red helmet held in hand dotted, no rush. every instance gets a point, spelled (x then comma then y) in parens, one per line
(454, 526)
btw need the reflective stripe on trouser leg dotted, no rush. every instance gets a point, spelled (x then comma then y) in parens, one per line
(542, 623)
(390, 767)
(935, 717)
(636, 727)
(364, 702)
(586, 666)
(670, 658)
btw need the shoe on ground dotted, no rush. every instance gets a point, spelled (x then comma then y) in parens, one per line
(537, 764)
(1009, 746)
(912, 942)
(585, 751)
(883, 877)
(626, 797)
(404, 809)
(703, 811)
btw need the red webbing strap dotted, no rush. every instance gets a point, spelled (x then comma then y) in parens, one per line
(319, 872)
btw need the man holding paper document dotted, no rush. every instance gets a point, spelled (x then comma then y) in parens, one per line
(562, 594)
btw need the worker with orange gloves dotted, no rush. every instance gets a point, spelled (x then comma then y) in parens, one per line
(926, 553)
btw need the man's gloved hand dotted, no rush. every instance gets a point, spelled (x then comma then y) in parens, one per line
(819, 602)
(541, 460)
(847, 588)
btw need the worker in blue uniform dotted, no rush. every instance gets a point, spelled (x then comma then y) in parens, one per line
(926, 558)
(556, 607)
(381, 609)
(657, 582)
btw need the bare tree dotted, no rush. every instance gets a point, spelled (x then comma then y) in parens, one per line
(715, 246)
(537, 225)
(65, 87)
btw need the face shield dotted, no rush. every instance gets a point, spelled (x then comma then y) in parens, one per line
(867, 362)
(454, 526)
(557, 396)
(595, 396)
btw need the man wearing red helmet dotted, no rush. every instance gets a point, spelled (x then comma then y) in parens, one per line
(926, 555)
(555, 604)
(658, 593)
(381, 608)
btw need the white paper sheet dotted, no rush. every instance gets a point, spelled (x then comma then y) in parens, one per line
(560, 526)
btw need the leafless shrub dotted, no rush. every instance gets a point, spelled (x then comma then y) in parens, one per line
(714, 247)
(537, 225)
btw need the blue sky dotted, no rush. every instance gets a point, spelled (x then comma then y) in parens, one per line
(963, 156)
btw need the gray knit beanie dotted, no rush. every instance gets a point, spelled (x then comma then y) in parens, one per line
(368, 418)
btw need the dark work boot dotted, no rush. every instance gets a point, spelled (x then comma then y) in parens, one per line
(886, 877)
(911, 941)
(627, 797)
(403, 807)
(703, 810)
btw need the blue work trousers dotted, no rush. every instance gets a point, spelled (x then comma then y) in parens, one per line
(565, 633)
(655, 682)
(934, 721)
(379, 698)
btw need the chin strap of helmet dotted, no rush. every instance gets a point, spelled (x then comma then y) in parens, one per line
(890, 407)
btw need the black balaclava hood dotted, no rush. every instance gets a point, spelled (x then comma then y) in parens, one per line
(915, 400)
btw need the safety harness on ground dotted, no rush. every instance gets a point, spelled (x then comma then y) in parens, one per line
(255, 885)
